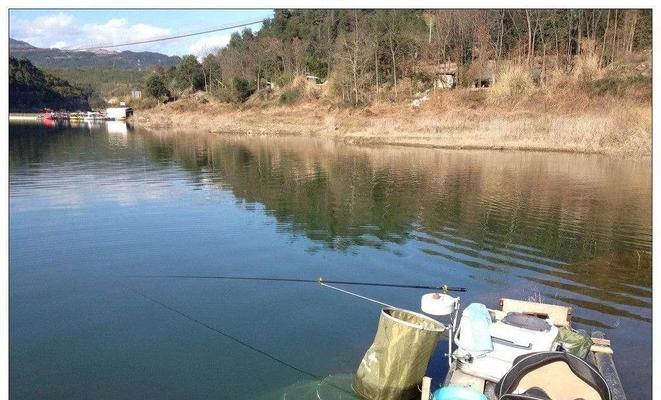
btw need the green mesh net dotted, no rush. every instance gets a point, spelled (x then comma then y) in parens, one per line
(393, 367)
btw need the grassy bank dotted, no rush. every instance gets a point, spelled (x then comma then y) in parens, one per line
(590, 112)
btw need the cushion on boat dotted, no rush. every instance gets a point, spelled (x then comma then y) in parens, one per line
(530, 322)
(553, 374)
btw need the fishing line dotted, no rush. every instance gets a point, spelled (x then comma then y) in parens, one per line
(237, 340)
(356, 295)
(227, 335)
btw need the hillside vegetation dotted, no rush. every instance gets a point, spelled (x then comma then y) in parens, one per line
(366, 56)
(31, 89)
(105, 83)
(567, 80)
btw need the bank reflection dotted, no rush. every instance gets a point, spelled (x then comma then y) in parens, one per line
(573, 223)
(577, 226)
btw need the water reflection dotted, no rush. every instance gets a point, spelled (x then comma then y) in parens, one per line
(570, 222)
(574, 228)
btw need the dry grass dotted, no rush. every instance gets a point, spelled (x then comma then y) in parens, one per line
(512, 84)
(615, 130)
(588, 110)
(586, 69)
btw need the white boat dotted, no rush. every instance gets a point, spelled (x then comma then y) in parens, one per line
(92, 116)
(484, 373)
(522, 351)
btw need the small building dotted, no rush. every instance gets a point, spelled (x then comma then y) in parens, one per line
(443, 76)
(119, 113)
(313, 79)
(445, 81)
(136, 94)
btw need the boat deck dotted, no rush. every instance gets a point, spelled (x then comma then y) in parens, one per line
(600, 355)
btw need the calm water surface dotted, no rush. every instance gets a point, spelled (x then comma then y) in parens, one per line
(93, 207)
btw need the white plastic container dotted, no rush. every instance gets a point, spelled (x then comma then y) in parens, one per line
(438, 304)
(509, 342)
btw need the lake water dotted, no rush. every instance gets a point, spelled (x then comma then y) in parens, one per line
(92, 208)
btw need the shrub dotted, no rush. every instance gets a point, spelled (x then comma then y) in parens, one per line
(143, 103)
(512, 85)
(243, 89)
(222, 93)
(156, 88)
(616, 86)
(290, 96)
(586, 68)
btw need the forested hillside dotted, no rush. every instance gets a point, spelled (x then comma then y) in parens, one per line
(105, 83)
(372, 55)
(30, 89)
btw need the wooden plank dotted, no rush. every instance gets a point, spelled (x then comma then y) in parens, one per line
(601, 341)
(459, 378)
(601, 349)
(426, 388)
(606, 366)
(560, 315)
(490, 391)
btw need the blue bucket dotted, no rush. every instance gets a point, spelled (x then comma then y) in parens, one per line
(458, 393)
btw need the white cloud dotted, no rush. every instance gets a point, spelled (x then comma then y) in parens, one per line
(208, 44)
(61, 29)
(49, 22)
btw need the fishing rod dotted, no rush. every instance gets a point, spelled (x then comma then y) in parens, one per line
(321, 281)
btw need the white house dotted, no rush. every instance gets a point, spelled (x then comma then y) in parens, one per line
(119, 113)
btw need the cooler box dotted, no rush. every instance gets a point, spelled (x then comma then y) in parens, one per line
(514, 335)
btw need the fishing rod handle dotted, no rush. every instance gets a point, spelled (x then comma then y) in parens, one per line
(453, 288)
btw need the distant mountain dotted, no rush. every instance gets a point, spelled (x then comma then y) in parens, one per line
(56, 58)
(17, 44)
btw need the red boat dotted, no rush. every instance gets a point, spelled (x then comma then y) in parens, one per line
(49, 115)
(49, 123)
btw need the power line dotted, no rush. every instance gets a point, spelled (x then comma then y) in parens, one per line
(179, 36)
(218, 29)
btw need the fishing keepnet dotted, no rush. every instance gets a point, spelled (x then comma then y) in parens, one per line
(396, 362)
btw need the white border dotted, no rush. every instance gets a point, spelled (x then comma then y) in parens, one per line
(257, 4)
(261, 4)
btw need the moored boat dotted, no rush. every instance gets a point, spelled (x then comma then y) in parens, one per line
(93, 116)
(522, 351)
(534, 353)
(49, 115)
(77, 116)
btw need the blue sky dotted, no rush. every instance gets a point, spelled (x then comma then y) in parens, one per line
(68, 28)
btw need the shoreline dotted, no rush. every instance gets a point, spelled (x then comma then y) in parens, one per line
(583, 132)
